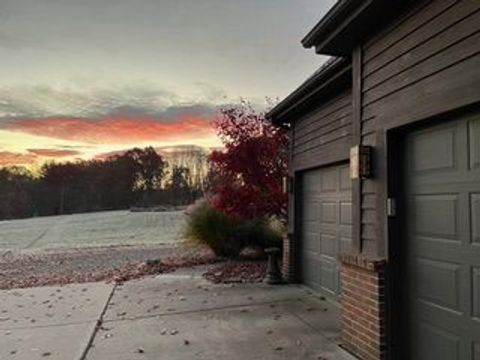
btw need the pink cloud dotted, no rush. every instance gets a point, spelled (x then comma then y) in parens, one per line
(115, 129)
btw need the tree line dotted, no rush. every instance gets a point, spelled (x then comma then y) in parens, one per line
(138, 177)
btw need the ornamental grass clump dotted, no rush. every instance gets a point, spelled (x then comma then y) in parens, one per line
(226, 235)
(209, 226)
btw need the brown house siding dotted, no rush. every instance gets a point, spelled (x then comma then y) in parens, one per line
(320, 137)
(423, 65)
(323, 136)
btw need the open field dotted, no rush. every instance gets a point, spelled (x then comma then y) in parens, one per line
(92, 229)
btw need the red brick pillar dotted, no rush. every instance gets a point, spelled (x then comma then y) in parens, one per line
(363, 307)
(289, 259)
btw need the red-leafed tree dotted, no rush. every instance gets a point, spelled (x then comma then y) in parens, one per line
(251, 167)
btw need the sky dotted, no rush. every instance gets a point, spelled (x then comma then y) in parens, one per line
(84, 78)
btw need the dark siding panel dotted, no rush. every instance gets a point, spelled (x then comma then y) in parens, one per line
(368, 126)
(325, 138)
(368, 186)
(368, 232)
(369, 139)
(323, 135)
(369, 201)
(452, 88)
(425, 64)
(440, 62)
(427, 31)
(319, 156)
(457, 40)
(406, 25)
(333, 108)
(323, 130)
(369, 216)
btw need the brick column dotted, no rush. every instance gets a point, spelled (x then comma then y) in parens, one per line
(289, 259)
(363, 307)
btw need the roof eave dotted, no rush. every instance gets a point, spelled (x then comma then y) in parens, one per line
(328, 22)
(329, 79)
(348, 22)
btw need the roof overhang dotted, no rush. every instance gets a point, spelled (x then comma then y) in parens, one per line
(335, 75)
(348, 22)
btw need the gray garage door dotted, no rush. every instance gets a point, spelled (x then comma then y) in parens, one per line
(443, 241)
(326, 216)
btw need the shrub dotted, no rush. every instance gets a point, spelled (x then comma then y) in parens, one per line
(208, 226)
(227, 235)
(258, 232)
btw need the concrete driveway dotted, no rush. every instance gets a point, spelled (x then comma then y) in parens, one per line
(176, 316)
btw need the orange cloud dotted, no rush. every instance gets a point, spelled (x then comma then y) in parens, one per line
(8, 158)
(54, 152)
(115, 129)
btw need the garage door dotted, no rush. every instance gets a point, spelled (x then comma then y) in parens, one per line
(326, 216)
(443, 241)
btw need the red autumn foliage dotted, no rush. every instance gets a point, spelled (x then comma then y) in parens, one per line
(250, 169)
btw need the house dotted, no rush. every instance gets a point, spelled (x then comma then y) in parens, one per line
(384, 194)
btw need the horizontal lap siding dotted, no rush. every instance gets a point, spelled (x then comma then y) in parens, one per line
(424, 64)
(429, 70)
(323, 135)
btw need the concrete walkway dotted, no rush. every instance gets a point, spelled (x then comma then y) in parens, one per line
(50, 322)
(176, 316)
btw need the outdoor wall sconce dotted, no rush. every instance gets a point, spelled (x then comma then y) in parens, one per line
(360, 162)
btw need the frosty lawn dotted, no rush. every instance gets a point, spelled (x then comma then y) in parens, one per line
(92, 229)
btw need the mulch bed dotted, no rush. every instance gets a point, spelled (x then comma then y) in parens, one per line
(237, 272)
(118, 264)
(110, 265)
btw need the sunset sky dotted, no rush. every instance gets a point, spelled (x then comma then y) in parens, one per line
(83, 78)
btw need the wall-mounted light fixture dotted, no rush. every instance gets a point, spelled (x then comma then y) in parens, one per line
(360, 162)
